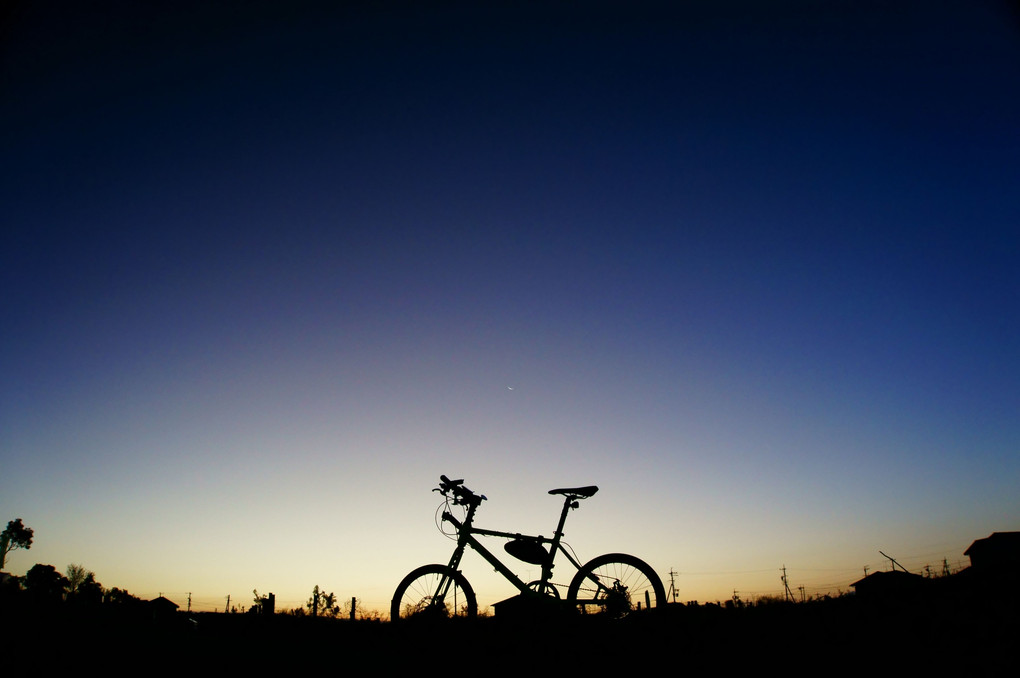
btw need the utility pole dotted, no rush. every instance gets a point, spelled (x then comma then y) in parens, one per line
(672, 584)
(228, 604)
(189, 602)
(786, 585)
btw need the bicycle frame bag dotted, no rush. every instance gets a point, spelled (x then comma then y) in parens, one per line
(528, 551)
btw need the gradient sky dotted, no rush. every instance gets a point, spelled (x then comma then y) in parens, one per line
(749, 267)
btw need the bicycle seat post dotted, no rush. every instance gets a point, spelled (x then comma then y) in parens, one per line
(570, 497)
(568, 503)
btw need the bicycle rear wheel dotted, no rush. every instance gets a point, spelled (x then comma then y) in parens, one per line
(616, 585)
(433, 591)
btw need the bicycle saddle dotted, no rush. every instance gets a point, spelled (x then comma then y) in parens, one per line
(585, 492)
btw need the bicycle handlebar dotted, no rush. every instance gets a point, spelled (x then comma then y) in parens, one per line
(461, 494)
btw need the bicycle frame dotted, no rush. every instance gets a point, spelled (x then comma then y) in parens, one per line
(465, 537)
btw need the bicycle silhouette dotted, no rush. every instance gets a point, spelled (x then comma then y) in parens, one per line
(615, 584)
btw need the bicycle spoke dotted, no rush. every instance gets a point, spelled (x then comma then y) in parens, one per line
(421, 593)
(616, 585)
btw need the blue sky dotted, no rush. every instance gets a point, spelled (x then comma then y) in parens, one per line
(268, 273)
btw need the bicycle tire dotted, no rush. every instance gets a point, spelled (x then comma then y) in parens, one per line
(416, 595)
(615, 584)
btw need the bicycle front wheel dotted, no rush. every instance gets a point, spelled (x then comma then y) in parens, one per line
(434, 591)
(616, 585)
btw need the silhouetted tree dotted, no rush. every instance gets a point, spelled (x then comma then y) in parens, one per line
(313, 602)
(322, 603)
(82, 587)
(76, 575)
(329, 605)
(44, 584)
(16, 536)
(10, 590)
(116, 596)
(263, 604)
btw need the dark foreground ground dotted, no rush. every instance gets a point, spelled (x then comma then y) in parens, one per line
(843, 634)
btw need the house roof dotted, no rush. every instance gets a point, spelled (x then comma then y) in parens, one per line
(165, 602)
(996, 540)
(888, 578)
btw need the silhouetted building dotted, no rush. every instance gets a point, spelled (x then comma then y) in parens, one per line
(999, 553)
(889, 585)
(162, 608)
(527, 607)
